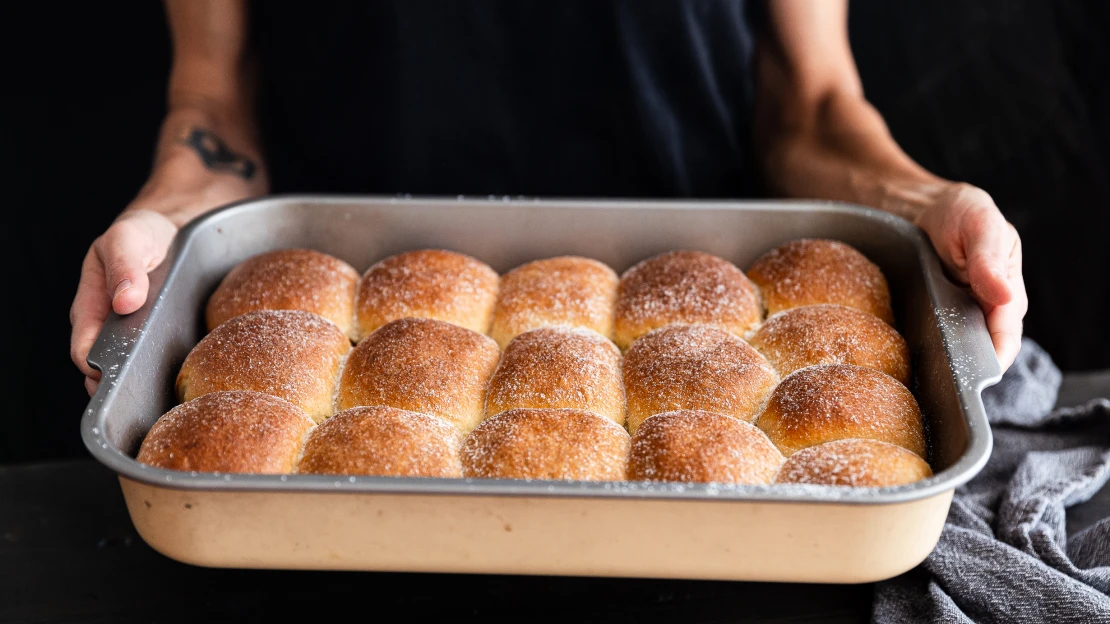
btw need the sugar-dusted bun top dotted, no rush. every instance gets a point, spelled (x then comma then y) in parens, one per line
(838, 401)
(557, 367)
(290, 354)
(231, 432)
(694, 367)
(563, 291)
(810, 271)
(854, 463)
(558, 444)
(287, 279)
(383, 441)
(832, 334)
(684, 287)
(421, 365)
(702, 447)
(429, 283)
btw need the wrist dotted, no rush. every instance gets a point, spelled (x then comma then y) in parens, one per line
(913, 199)
(181, 188)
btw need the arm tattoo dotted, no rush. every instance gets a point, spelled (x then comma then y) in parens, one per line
(215, 154)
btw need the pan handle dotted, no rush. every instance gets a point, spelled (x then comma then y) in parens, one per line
(112, 352)
(963, 329)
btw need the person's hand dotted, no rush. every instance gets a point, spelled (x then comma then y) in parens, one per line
(981, 249)
(114, 273)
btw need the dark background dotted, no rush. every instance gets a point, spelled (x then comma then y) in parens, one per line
(1010, 95)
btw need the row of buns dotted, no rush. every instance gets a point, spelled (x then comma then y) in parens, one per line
(679, 315)
(251, 432)
(674, 287)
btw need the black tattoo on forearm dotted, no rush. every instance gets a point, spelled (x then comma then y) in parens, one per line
(215, 154)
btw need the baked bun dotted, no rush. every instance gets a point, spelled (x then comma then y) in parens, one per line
(288, 279)
(854, 463)
(694, 367)
(832, 334)
(290, 354)
(567, 291)
(554, 367)
(701, 447)
(232, 432)
(837, 401)
(683, 287)
(429, 283)
(565, 444)
(383, 441)
(810, 271)
(421, 365)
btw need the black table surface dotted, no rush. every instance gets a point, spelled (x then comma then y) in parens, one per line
(68, 552)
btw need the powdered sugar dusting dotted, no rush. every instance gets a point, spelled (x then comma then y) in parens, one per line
(290, 354)
(854, 463)
(559, 367)
(421, 365)
(231, 432)
(428, 283)
(383, 441)
(554, 444)
(809, 271)
(702, 447)
(288, 279)
(837, 401)
(832, 334)
(562, 291)
(684, 287)
(694, 367)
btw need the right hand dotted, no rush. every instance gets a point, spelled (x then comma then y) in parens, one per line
(114, 273)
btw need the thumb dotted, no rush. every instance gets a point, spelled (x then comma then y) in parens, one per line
(988, 243)
(130, 248)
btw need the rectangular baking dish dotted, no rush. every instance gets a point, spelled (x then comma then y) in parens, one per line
(784, 533)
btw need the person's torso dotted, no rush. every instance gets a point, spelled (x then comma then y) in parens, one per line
(567, 98)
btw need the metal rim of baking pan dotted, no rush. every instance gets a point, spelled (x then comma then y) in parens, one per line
(961, 323)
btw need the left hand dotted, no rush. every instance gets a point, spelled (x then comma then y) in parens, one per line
(981, 249)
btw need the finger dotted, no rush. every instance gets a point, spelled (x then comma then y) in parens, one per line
(123, 252)
(1005, 323)
(988, 243)
(90, 308)
(91, 385)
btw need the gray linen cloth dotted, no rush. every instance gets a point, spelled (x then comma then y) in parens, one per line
(1004, 554)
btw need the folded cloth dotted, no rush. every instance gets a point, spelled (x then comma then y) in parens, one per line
(1004, 554)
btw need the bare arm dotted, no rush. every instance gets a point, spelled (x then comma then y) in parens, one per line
(817, 136)
(207, 156)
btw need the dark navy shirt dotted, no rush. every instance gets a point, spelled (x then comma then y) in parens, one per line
(632, 98)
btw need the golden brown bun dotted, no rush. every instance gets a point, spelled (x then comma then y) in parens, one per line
(554, 367)
(854, 463)
(429, 283)
(233, 432)
(701, 447)
(832, 334)
(839, 401)
(563, 444)
(810, 271)
(290, 354)
(288, 279)
(383, 441)
(567, 291)
(683, 287)
(694, 367)
(421, 365)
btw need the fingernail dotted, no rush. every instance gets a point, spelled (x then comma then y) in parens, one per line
(123, 285)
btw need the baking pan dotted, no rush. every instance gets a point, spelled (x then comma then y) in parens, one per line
(780, 533)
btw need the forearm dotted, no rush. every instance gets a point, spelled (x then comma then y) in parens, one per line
(840, 148)
(208, 145)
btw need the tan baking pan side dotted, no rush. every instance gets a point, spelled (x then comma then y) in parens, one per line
(725, 540)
